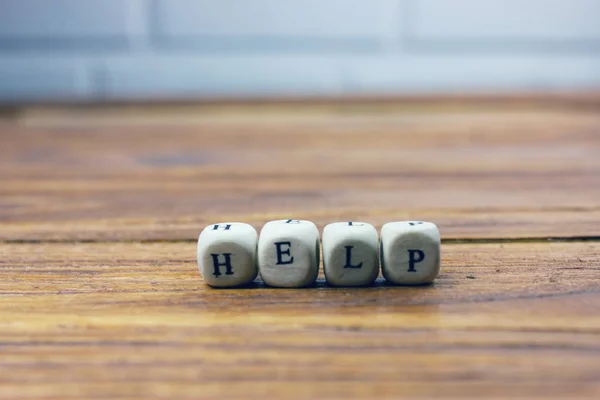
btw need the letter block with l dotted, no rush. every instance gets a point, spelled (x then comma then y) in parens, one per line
(350, 253)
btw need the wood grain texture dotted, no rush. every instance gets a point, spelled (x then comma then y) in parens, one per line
(529, 171)
(100, 296)
(135, 320)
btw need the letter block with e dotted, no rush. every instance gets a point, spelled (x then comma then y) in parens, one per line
(350, 253)
(227, 254)
(289, 253)
(410, 252)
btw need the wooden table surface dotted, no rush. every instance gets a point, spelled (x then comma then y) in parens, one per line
(100, 208)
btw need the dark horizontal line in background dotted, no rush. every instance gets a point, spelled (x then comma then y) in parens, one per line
(200, 45)
(257, 44)
(460, 46)
(84, 45)
(523, 239)
(548, 239)
(267, 44)
(576, 99)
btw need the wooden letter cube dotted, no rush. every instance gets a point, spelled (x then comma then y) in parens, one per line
(289, 253)
(227, 254)
(350, 253)
(410, 252)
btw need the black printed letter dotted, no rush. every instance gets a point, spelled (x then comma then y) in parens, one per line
(349, 258)
(412, 260)
(226, 264)
(281, 252)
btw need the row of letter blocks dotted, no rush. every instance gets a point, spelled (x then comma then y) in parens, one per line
(287, 253)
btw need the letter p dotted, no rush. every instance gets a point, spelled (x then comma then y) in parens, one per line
(414, 257)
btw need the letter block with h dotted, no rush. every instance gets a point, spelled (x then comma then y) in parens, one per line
(289, 253)
(350, 253)
(410, 252)
(227, 254)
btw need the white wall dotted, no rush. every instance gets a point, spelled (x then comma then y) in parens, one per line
(121, 49)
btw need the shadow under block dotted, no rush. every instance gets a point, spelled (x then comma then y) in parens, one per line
(350, 253)
(289, 253)
(227, 254)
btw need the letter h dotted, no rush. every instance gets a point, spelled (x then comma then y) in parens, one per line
(226, 264)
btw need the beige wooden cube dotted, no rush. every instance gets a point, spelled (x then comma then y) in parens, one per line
(227, 254)
(350, 253)
(289, 253)
(410, 252)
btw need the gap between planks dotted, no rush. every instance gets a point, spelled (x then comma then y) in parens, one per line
(548, 239)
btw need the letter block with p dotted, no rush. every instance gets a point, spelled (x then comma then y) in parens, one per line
(289, 253)
(350, 253)
(227, 254)
(410, 252)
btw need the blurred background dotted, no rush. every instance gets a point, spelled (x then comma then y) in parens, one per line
(118, 50)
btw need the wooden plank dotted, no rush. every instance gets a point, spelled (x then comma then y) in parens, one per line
(497, 172)
(134, 320)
